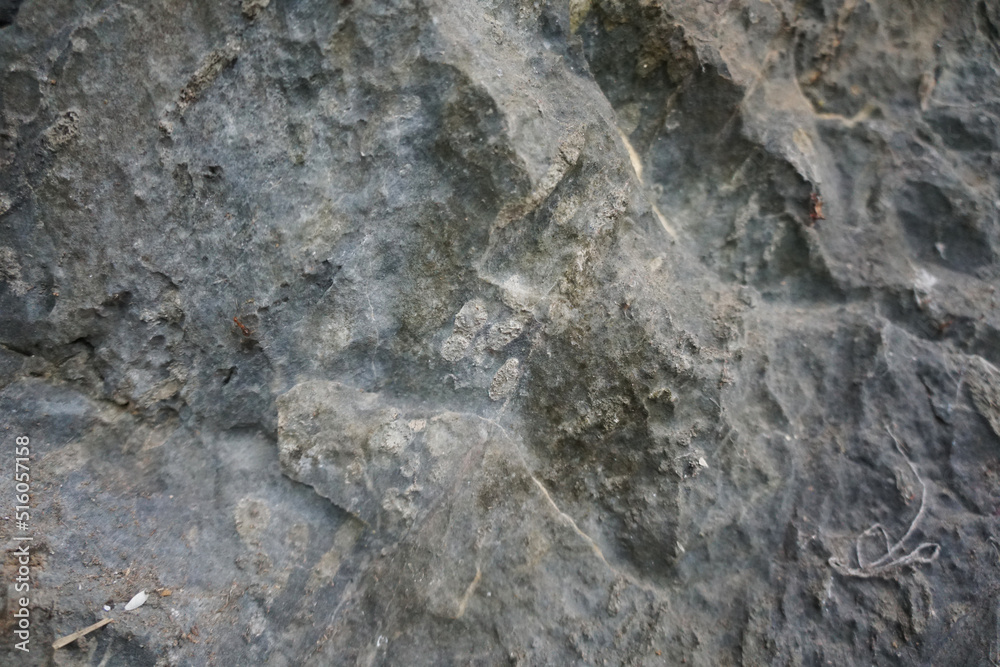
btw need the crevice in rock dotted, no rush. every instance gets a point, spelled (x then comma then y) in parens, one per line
(8, 11)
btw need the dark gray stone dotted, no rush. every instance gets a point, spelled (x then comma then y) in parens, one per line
(439, 332)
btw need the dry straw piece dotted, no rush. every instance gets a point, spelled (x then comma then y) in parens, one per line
(69, 639)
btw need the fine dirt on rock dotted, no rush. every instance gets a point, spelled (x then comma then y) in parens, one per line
(432, 332)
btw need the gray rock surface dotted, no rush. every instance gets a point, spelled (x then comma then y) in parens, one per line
(429, 332)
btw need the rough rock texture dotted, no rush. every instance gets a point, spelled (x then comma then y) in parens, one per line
(427, 332)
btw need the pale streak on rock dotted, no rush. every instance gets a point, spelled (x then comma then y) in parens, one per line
(571, 522)
(468, 593)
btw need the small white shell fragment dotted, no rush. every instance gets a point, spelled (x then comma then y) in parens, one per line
(137, 601)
